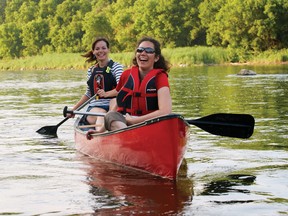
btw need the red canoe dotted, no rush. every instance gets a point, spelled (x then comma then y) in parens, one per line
(156, 146)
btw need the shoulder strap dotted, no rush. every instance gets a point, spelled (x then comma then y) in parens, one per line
(109, 66)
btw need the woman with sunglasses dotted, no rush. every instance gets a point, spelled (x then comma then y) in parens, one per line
(143, 90)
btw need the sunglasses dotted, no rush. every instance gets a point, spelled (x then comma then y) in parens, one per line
(148, 50)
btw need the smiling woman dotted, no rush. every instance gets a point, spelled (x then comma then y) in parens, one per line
(146, 57)
(102, 78)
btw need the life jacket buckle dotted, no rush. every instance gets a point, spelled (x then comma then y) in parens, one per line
(137, 94)
(138, 112)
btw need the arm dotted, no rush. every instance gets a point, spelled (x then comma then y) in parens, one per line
(111, 93)
(87, 94)
(164, 104)
(83, 99)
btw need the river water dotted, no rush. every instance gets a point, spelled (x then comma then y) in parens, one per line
(223, 176)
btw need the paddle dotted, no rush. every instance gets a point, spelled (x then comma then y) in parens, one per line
(223, 124)
(52, 130)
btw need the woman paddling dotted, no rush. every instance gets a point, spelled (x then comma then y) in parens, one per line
(102, 78)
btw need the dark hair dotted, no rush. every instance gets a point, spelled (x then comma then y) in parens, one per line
(161, 63)
(89, 55)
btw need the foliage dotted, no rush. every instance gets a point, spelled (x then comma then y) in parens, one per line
(255, 25)
(35, 36)
(31, 27)
(10, 41)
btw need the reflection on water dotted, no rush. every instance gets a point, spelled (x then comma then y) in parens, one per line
(119, 190)
(230, 184)
(45, 176)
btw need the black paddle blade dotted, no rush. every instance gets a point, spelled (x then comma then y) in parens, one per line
(51, 130)
(231, 125)
(48, 130)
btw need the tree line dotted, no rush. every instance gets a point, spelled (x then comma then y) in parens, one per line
(33, 27)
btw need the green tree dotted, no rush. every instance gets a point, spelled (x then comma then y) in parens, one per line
(21, 12)
(172, 22)
(167, 23)
(2, 11)
(11, 10)
(255, 25)
(35, 36)
(276, 10)
(192, 23)
(66, 30)
(71, 26)
(207, 13)
(121, 19)
(10, 41)
(47, 8)
(96, 26)
(96, 23)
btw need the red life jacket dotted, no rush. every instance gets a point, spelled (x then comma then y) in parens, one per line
(139, 98)
(101, 78)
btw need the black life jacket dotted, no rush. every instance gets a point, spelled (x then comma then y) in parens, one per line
(101, 78)
(138, 98)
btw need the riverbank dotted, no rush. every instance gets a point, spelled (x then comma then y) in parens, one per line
(178, 57)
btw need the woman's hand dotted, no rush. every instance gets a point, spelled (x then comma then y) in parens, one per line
(101, 93)
(91, 131)
(131, 119)
(111, 93)
(70, 115)
(89, 134)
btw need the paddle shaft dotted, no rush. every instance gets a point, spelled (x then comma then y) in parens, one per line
(65, 111)
(64, 120)
(86, 102)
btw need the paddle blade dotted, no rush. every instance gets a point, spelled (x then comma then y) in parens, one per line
(48, 130)
(51, 130)
(231, 125)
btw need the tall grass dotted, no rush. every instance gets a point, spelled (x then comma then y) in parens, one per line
(271, 56)
(187, 56)
(178, 57)
(46, 61)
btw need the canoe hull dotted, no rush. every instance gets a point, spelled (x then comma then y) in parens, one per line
(156, 146)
